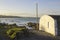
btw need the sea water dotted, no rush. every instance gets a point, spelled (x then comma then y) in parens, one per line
(18, 21)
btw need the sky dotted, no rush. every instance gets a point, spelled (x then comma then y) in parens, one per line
(27, 8)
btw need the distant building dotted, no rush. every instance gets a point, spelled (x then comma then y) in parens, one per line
(50, 24)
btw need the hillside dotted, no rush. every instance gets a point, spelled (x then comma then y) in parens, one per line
(3, 16)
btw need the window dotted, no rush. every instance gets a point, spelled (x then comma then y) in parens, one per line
(48, 24)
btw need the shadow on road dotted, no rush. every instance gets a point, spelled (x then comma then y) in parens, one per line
(32, 36)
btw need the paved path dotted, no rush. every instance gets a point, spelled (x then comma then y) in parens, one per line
(34, 35)
(2, 37)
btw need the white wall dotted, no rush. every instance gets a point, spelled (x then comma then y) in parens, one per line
(47, 24)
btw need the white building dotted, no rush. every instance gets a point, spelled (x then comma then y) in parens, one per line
(50, 24)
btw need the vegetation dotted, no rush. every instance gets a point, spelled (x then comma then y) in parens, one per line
(10, 30)
(33, 25)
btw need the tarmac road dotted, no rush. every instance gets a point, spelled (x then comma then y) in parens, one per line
(34, 36)
(2, 37)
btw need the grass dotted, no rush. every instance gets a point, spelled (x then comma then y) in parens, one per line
(5, 32)
(12, 32)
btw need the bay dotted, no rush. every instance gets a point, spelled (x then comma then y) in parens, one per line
(18, 21)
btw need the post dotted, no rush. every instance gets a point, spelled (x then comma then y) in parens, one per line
(37, 15)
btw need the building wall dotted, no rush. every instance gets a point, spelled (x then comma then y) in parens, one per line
(56, 29)
(47, 24)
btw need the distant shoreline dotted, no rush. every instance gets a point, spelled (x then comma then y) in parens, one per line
(3, 16)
